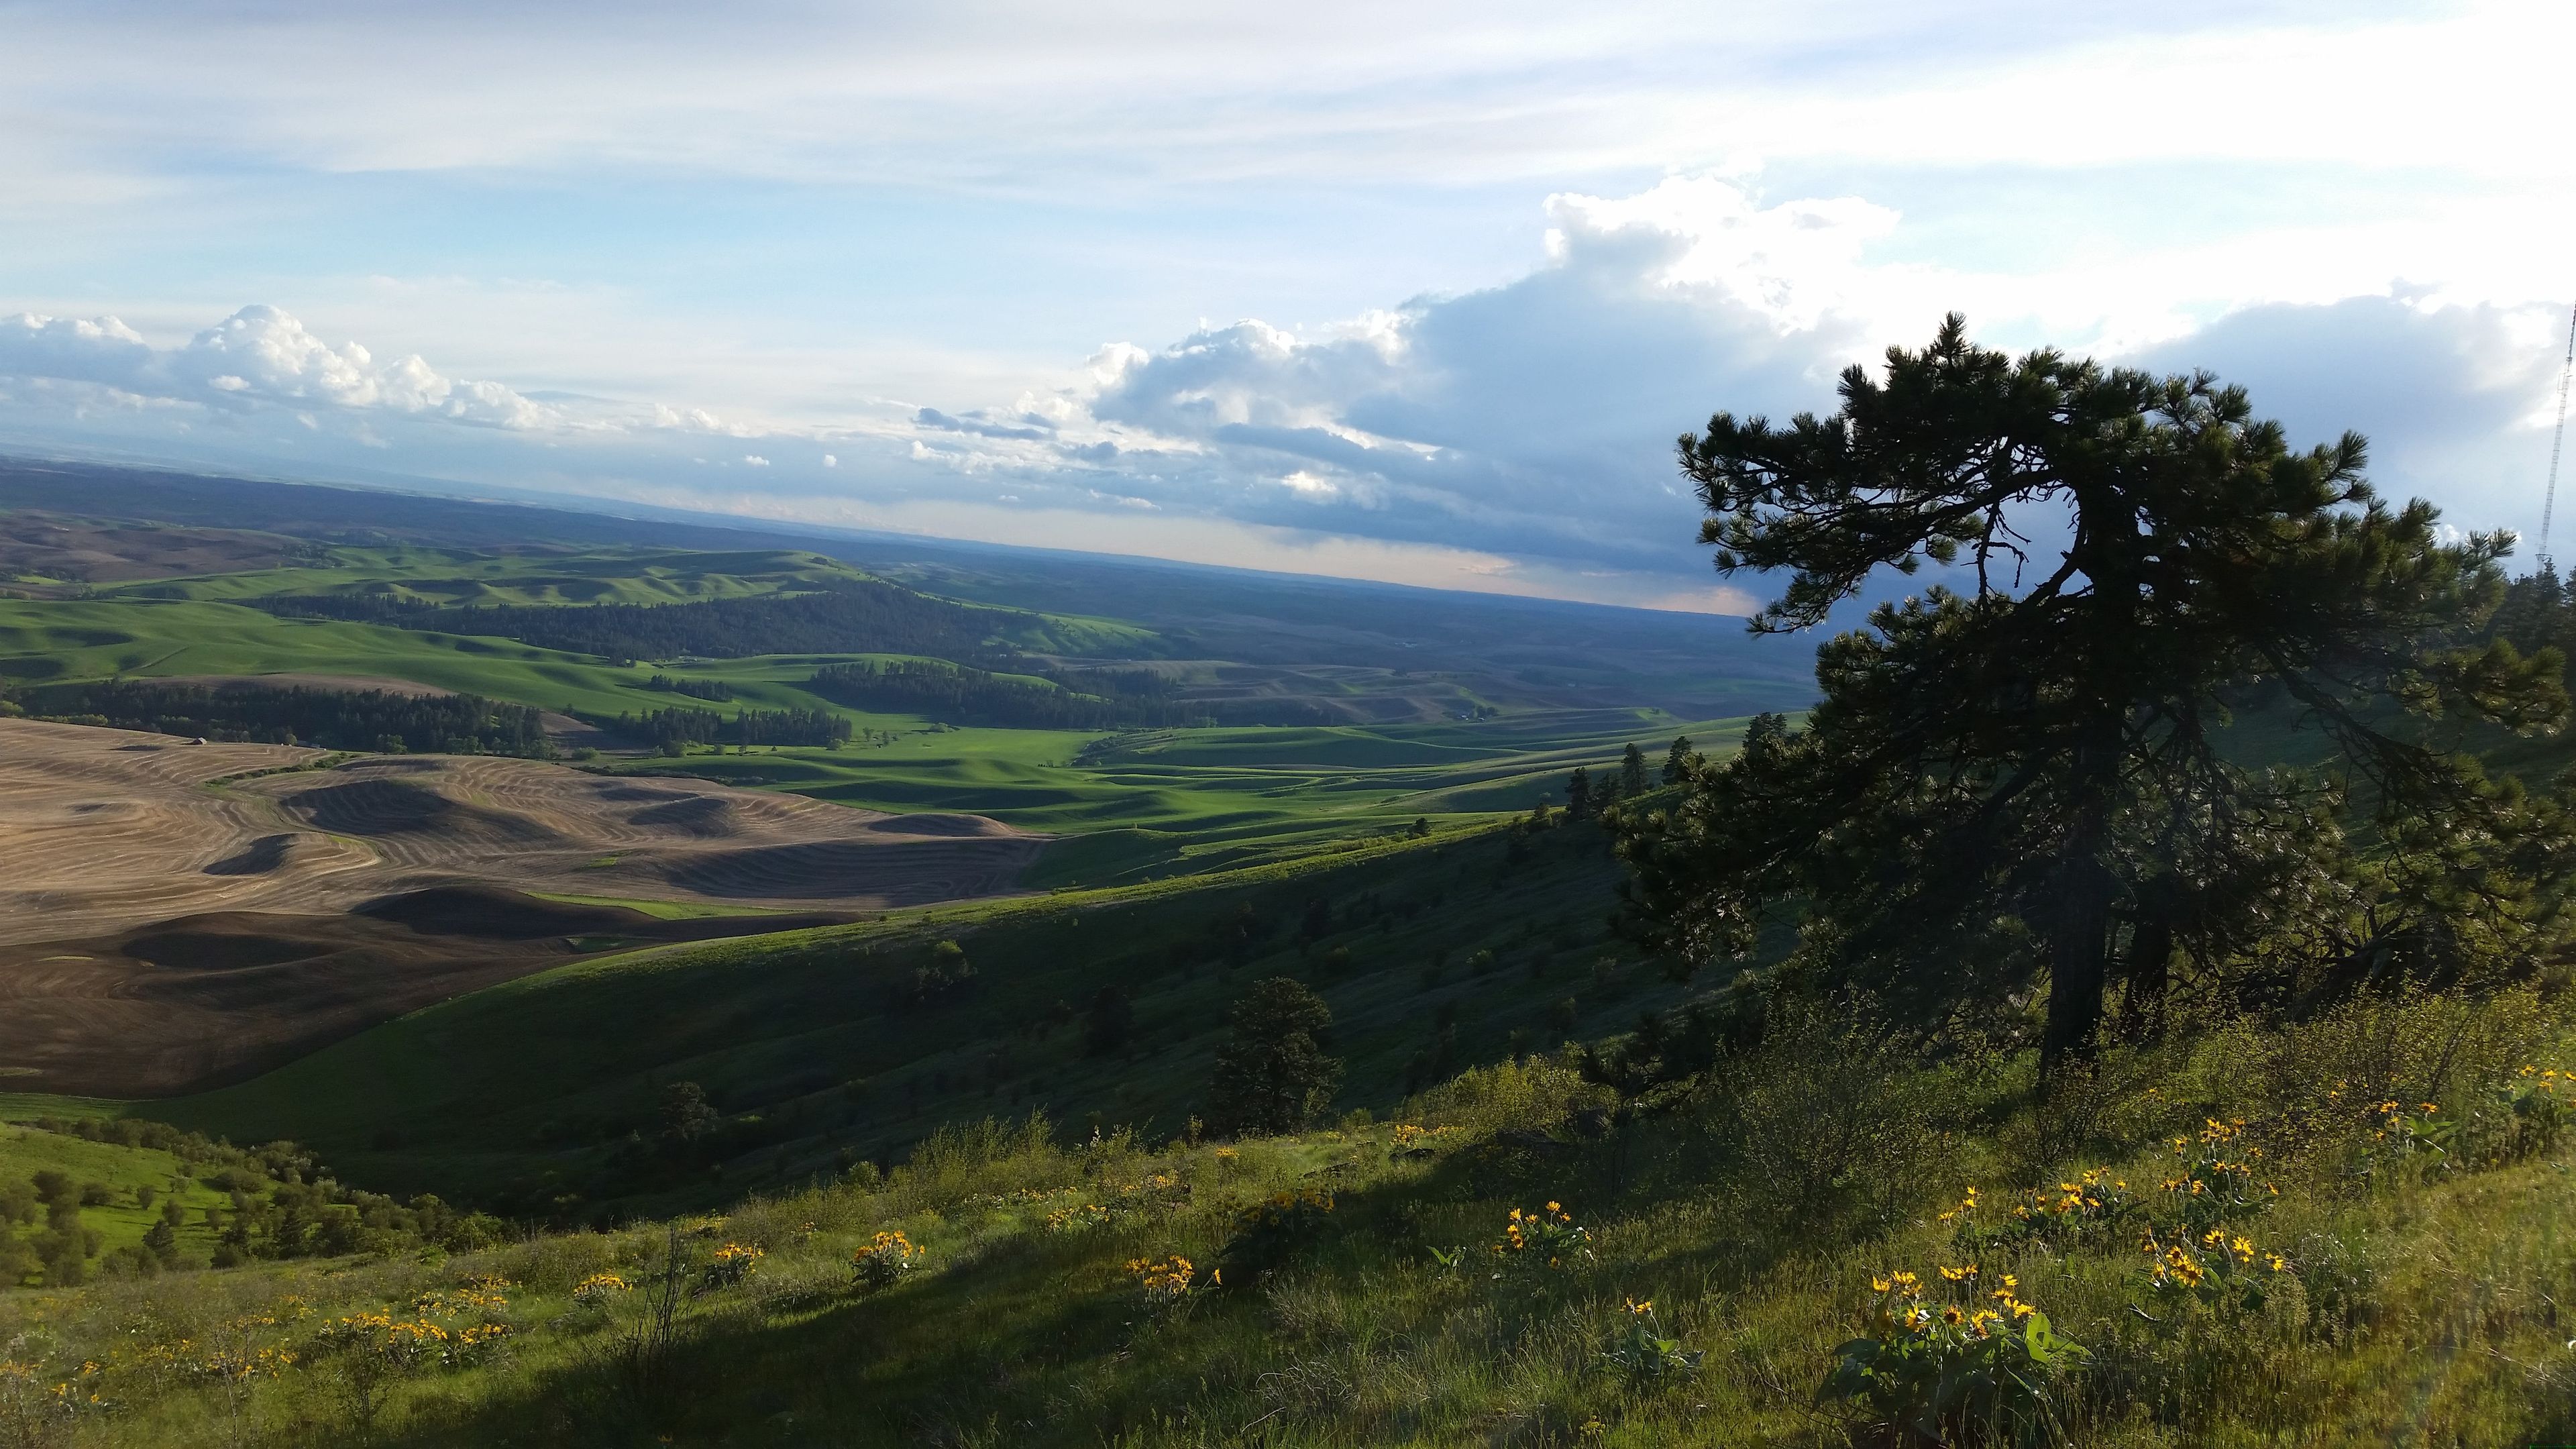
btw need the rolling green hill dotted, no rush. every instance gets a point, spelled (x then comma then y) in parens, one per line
(818, 1047)
(543, 576)
(43, 641)
(1465, 946)
(1518, 653)
(122, 1217)
(1143, 805)
(1488, 1263)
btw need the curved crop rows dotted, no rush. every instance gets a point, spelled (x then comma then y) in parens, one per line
(171, 919)
(109, 829)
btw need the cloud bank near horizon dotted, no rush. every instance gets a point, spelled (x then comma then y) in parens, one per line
(1515, 438)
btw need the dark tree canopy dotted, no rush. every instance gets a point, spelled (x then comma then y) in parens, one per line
(368, 719)
(1107, 1022)
(1272, 1074)
(2028, 779)
(1578, 794)
(955, 694)
(685, 1114)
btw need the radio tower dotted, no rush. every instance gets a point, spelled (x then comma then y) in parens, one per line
(2557, 444)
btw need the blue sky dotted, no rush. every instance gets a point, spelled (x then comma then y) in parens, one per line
(1416, 293)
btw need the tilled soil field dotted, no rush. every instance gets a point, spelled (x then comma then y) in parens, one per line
(105, 830)
(172, 917)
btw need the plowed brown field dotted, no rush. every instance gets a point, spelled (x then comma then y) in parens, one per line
(103, 830)
(170, 919)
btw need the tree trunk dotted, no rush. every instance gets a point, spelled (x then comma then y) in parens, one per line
(2078, 954)
(2080, 929)
(2151, 946)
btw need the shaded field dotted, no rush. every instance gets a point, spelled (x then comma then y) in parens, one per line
(49, 553)
(818, 1044)
(197, 1001)
(545, 827)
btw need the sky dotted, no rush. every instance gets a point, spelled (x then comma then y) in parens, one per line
(1415, 293)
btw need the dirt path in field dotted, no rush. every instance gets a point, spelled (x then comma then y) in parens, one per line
(169, 918)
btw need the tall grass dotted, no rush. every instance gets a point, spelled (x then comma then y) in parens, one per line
(2418, 1302)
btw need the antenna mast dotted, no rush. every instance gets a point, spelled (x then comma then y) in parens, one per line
(2557, 444)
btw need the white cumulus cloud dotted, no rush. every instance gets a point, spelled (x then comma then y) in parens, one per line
(1517, 436)
(259, 355)
(1535, 420)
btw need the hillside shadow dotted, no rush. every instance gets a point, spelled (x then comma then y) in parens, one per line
(258, 858)
(992, 1340)
(1032, 1343)
(706, 816)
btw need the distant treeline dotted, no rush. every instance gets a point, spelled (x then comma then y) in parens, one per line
(671, 730)
(373, 719)
(715, 689)
(860, 617)
(955, 694)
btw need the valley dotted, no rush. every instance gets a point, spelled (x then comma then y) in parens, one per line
(224, 931)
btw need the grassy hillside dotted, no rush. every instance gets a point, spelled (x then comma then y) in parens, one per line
(817, 1049)
(122, 1218)
(46, 641)
(1491, 1266)
(541, 576)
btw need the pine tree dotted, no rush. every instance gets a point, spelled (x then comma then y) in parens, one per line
(1107, 1022)
(2011, 784)
(1677, 760)
(1578, 794)
(1766, 730)
(685, 1115)
(1272, 1074)
(1632, 772)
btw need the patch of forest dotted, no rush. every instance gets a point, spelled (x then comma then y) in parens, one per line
(862, 616)
(955, 694)
(1066, 699)
(374, 719)
(672, 730)
(714, 689)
